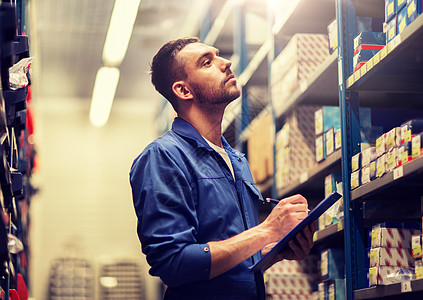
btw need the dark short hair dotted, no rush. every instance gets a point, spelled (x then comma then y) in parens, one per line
(165, 69)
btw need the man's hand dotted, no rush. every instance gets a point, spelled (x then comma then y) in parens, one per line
(299, 247)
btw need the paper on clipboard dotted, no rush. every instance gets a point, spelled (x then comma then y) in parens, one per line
(313, 216)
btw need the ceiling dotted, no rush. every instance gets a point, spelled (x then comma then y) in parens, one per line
(67, 39)
(70, 36)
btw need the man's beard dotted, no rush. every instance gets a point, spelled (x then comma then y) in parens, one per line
(215, 96)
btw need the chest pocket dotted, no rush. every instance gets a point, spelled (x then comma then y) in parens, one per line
(252, 188)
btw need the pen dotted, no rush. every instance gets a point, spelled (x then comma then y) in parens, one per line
(276, 201)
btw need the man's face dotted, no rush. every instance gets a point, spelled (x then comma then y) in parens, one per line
(209, 75)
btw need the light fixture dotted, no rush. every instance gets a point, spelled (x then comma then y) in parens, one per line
(120, 31)
(104, 91)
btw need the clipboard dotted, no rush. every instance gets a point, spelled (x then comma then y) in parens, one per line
(312, 216)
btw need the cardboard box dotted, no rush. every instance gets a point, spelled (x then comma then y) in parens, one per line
(368, 155)
(369, 40)
(329, 142)
(355, 179)
(393, 138)
(338, 139)
(356, 162)
(417, 145)
(295, 146)
(383, 275)
(385, 235)
(260, 148)
(325, 118)
(323, 290)
(402, 21)
(399, 5)
(416, 244)
(332, 182)
(336, 289)
(381, 167)
(389, 10)
(333, 36)
(373, 169)
(392, 159)
(320, 148)
(398, 257)
(410, 129)
(363, 56)
(381, 147)
(414, 9)
(391, 31)
(294, 65)
(404, 153)
(365, 174)
(332, 264)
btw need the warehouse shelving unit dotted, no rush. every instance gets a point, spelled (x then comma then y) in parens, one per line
(392, 79)
(17, 154)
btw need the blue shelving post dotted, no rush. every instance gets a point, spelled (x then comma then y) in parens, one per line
(241, 50)
(350, 127)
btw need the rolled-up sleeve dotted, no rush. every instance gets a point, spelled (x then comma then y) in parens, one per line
(167, 219)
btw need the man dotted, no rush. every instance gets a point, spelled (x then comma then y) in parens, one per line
(194, 196)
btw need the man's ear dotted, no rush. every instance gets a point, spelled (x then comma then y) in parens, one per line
(182, 90)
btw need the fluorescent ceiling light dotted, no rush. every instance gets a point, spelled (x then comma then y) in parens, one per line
(104, 91)
(120, 31)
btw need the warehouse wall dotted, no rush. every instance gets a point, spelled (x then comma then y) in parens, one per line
(84, 207)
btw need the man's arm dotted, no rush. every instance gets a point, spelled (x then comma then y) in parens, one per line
(228, 253)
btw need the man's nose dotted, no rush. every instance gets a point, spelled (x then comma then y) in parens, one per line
(225, 64)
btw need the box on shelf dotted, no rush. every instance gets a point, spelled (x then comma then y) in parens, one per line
(367, 155)
(383, 256)
(393, 235)
(373, 169)
(295, 145)
(391, 30)
(329, 142)
(393, 138)
(409, 129)
(417, 145)
(399, 5)
(363, 56)
(356, 162)
(260, 148)
(381, 145)
(389, 10)
(320, 143)
(367, 39)
(381, 167)
(323, 290)
(365, 174)
(414, 9)
(336, 289)
(338, 139)
(402, 21)
(294, 65)
(392, 159)
(355, 179)
(325, 118)
(416, 244)
(332, 264)
(384, 275)
(404, 153)
(333, 36)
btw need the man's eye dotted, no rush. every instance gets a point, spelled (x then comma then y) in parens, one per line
(207, 63)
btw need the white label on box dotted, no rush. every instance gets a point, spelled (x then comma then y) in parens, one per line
(398, 172)
(406, 286)
(338, 139)
(330, 147)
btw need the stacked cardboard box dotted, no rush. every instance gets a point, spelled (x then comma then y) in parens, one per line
(390, 254)
(293, 66)
(399, 14)
(260, 148)
(290, 279)
(332, 268)
(295, 146)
